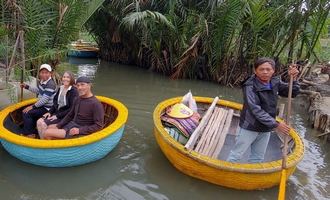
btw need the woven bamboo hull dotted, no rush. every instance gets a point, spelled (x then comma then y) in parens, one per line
(68, 152)
(232, 175)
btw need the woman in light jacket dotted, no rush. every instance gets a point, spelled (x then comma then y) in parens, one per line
(63, 102)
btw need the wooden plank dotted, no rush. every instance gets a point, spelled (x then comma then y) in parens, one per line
(206, 129)
(195, 135)
(210, 127)
(222, 137)
(216, 133)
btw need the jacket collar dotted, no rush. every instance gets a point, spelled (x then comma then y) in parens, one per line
(45, 82)
(259, 86)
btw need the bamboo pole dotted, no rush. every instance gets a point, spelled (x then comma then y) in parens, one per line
(281, 194)
(6, 59)
(195, 135)
(23, 61)
(281, 115)
(216, 132)
(206, 129)
(210, 126)
(13, 54)
(221, 140)
(204, 133)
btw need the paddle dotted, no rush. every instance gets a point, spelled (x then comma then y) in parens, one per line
(281, 193)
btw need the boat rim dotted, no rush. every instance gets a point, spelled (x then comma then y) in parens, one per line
(14, 138)
(267, 167)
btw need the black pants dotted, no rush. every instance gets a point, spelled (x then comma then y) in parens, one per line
(30, 118)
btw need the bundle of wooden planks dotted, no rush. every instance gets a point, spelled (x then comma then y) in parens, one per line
(209, 137)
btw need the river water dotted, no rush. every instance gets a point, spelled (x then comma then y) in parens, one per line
(137, 169)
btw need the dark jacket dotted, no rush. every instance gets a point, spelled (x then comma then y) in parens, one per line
(70, 96)
(260, 101)
(88, 113)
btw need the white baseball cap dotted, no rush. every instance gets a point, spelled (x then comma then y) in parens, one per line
(45, 66)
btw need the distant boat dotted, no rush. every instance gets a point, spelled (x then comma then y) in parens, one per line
(243, 176)
(82, 49)
(63, 152)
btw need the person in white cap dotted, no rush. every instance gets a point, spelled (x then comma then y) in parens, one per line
(46, 90)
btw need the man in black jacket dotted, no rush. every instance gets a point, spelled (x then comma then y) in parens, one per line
(260, 93)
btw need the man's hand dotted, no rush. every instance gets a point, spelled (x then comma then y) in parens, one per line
(74, 131)
(27, 109)
(23, 85)
(283, 128)
(46, 115)
(52, 118)
(293, 71)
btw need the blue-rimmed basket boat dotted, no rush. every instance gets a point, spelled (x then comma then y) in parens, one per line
(68, 152)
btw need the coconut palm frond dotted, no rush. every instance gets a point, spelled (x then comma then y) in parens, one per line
(136, 18)
(228, 16)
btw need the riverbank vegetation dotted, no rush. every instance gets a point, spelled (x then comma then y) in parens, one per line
(209, 39)
(48, 26)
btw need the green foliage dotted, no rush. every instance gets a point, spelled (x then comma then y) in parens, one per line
(49, 25)
(208, 38)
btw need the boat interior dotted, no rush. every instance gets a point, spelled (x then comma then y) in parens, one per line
(275, 145)
(14, 121)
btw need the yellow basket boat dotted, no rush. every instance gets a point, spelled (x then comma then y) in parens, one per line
(241, 176)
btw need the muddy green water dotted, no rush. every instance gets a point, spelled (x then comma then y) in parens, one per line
(137, 169)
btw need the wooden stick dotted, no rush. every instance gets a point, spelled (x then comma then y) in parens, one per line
(208, 126)
(216, 132)
(23, 61)
(219, 124)
(303, 71)
(216, 151)
(322, 134)
(13, 54)
(281, 115)
(195, 135)
(212, 124)
(282, 189)
(285, 149)
(6, 58)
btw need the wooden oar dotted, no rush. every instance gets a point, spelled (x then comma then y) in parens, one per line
(281, 193)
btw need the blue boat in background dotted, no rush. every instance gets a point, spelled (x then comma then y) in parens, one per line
(82, 49)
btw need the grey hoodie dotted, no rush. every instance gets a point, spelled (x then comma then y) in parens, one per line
(260, 101)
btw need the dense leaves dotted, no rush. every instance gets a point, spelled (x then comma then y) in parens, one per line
(49, 26)
(208, 39)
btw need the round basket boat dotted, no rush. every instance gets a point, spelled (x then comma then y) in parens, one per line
(67, 152)
(241, 176)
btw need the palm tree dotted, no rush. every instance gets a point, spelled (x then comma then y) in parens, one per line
(209, 39)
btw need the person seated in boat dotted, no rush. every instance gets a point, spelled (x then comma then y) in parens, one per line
(260, 93)
(46, 91)
(63, 101)
(85, 117)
